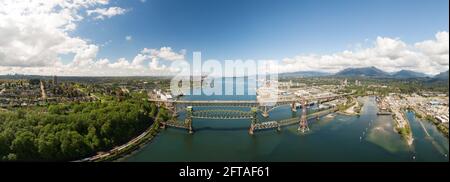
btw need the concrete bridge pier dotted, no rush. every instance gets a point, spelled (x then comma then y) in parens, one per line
(190, 130)
(251, 129)
(265, 112)
(293, 107)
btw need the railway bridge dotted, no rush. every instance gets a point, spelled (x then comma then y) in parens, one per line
(243, 109)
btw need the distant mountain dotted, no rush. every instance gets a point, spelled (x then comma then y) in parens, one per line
(441, 76)
(362, 72)
(408, 74)
(305, 74)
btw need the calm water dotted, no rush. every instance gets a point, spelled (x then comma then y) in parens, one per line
(340, 138)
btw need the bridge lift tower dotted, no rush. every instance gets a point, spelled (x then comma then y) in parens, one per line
(254, 112)
(303, 124)
(188, 119)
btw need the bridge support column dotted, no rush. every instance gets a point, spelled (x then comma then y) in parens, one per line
(251, 129)
(188, 120)
(293, 107)
(265, 112)
(254, 120)
(190, 130)
(303, 124)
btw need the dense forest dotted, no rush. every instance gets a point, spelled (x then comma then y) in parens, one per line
(65, 132)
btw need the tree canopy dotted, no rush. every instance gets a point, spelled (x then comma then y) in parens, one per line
(64, 132)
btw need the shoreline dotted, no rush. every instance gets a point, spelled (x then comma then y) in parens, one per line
(122, 151)
(420, 115)
(353, 110)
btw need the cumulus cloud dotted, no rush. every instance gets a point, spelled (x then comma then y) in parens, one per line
(35, 33)
(102, 13)
(146, 62)
(165, 53)
(436, 50)
(389, 54)
(128, 37)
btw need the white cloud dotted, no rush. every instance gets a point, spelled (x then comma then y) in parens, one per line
(128, 38)
(388, 54)
(165, 53)
(101, 13)
(147, 62)
(143, 1)
(35, 33)
(436, 50)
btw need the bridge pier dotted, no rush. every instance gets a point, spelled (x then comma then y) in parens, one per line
(293, 107)
(254, 111)
(265, 112)
(251, 129)
(190, 130)
(188, 120)
(303, 124)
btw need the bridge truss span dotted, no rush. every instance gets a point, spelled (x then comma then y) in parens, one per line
(241, 109)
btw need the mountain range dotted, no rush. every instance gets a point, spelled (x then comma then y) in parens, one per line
(362, 72)
(375, 72)
(441, 76)
(305, 74)
(408, 74)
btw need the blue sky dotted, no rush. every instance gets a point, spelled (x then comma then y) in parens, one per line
(64, 37)
(263, 29)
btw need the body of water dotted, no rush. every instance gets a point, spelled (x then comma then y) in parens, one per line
(367, 137)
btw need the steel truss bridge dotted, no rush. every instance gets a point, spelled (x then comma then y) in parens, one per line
(243, 109)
